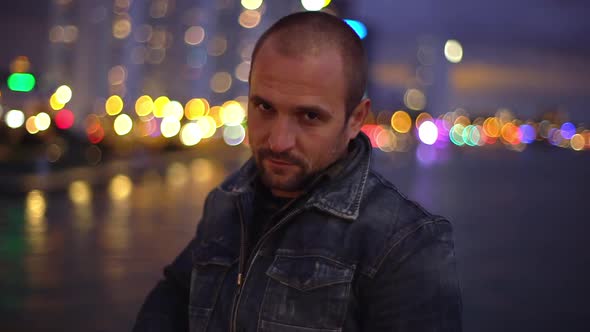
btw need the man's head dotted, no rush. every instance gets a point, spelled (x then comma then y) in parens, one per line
(306, 101)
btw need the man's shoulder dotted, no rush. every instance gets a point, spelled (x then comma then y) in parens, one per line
(389, 219)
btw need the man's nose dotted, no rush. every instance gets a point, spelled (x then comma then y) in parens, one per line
(281, 137)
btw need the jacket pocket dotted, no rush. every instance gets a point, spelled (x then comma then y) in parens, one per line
(306, 293)
(206, 280)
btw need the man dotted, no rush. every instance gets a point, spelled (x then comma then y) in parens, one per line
(305, 236)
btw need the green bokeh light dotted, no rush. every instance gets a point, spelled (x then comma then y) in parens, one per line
(21, 82)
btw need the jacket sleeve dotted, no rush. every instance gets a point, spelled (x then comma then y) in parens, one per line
(415, 288)
(166, 306)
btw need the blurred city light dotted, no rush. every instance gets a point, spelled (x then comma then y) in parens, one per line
(207, 126)
(79, 192)
(174, 109)
(64, 119)
(315, 5)
(415, 99)
(144, 105)
(159, 105)
(120, 187)
(421, 118)
(30, 125)
(123, 124)
(577, 142)
(15, 118)
(249, 19)
(21, 82)
(42, 121)
(234, 135)
(251, 4)
(568, 130)
(194, 35)
(232, 113)
(54, 104)
(190, 134)
(196, 108)
(428, 132)
(453, 51)
(358, 27)
(114, 105)
(401, 122)
(63, 94)
(170, 126)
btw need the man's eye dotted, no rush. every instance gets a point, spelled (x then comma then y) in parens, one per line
(311, 116)
(264, 107)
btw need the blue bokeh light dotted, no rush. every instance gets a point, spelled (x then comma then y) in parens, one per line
(358, 27)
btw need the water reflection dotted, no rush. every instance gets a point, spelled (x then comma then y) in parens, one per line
(36, 224)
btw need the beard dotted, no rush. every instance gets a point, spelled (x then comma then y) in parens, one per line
(292, 178)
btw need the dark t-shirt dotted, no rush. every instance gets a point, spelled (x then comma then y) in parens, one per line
(267, 211)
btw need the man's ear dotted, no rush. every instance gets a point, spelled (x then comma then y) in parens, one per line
(357, 118)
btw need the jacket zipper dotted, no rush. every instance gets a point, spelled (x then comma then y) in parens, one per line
(243, 277)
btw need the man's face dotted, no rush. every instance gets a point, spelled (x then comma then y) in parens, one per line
(296, 116)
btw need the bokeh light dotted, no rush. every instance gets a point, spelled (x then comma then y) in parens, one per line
(194, 35)
(491, 127)
(220, 82)
(15, 118)
(415, 99)
(121, 28)
(117, 75)
(79, 192)
(113, 105)
(21, 82)
(358, 27)
(234, 135)
(401, 122)
(215, 114)
(123, 124)
(144, 105)
(386, 140)
(456, 134)
(511, 133)
(63, 94)
(251, 4)
(196, 108)
(243, 71)
(170, 126)
(577, 142)
(428, 132)
(173, 108)
(207, 126)
(36, 205)
(421, 118)
(249, 19)
(232, 113)
(217, 46)
(529, 134)
(453, 51)
(42, 121)
(568, 130)
(54, 104)
(159, 104)
(30, 125)
(190, 134)
(64, 119)
(120, 187)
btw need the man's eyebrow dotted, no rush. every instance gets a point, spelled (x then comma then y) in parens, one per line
(259, 100)
(256, 99)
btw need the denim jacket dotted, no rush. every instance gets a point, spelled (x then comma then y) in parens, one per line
(352, 255)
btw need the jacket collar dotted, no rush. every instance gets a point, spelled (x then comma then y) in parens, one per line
(338, 190)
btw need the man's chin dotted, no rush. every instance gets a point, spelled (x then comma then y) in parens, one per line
(281, 183)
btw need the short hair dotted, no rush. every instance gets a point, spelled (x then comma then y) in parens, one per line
(310, 33)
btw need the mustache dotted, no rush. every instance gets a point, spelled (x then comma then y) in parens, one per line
(282, 156)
